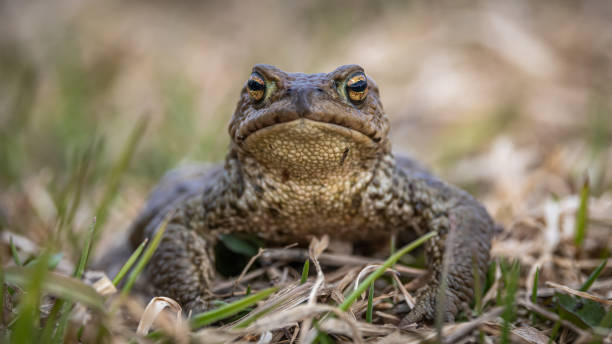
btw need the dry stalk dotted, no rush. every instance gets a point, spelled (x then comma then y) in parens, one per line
(315, 249)
(463, 329)
(551, 316)
(582, 294)
(152, 314)
(333, 259)
(248, 266)
(581, 264)
(219, 288)
(409, 299)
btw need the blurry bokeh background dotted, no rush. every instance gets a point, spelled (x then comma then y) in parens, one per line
(511, 100)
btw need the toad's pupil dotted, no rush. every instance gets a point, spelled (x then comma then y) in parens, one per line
(255, 86)
(359, 86)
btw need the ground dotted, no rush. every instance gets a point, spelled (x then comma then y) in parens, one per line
(509, 100)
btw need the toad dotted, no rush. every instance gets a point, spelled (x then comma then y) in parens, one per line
(310, 155)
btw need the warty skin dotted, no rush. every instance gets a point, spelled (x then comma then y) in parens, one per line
(310, 155)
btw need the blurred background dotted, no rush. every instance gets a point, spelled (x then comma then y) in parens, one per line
(511, 100)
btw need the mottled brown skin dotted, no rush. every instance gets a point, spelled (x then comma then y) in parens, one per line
(305, 161)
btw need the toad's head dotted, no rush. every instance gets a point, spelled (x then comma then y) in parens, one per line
(310, 124)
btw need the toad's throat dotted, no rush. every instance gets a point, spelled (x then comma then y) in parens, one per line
(304, 149)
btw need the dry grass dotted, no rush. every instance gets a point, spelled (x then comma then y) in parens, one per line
(509, 100)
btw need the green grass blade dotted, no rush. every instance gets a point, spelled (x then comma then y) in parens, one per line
(491, 275)
(322, 336)
(80, 333)
(305, 270)
(67, 303)
(511, 283)
(146, 256)
(555, 330)
(582, 215)
(381, 270)
(114, 179)
(76, 186)
(26, 329)
(66, 307)
(47, 333)
(593, 276)
(534, 290)
(253, 317)
(14, 253)
(534, 293)
(129, 263)
(52, 261)
(55, 260)
(56, 284)
(239, 245)
(606, 322)
(78, 272)
(230, 309)
(370, 303)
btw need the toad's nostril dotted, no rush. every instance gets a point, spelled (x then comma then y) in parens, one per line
(320, 90)
(302, 100)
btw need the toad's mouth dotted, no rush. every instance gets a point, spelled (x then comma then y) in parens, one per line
(355, 124)
(303, 129)
(303, 148)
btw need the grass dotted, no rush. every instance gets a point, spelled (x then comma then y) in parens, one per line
(370, 303)
(582, 214)
(64, 306)
(534, 293)
(510, 276)
(117, 171)
(129, 263)
(593, 276)
(34, 278)
(230, 309)
(146, 256)
(74, 145)
(305, 270)
(348, 301)
(14, 253)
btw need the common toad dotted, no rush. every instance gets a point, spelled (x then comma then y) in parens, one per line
(310, 155)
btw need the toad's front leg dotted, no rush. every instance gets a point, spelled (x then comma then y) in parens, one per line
(465, 230)
(182, 267)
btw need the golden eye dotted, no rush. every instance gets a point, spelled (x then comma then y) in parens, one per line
(357, 87)
(256, 87)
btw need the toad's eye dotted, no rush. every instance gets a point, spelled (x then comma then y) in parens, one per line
(256, 87)
(357, 87)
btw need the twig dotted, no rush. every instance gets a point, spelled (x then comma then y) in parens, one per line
(551, 316)
(409, 299)
(247, 277)
(464, 329)
(581, 264)
(248, 266)
(333, 259)
(582, 294)
(295, 334)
